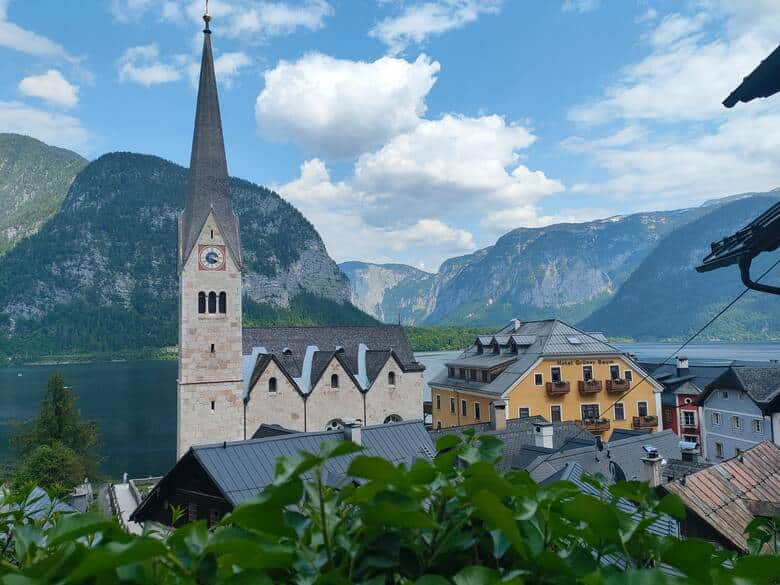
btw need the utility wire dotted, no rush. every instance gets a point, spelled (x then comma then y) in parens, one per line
(678, 350)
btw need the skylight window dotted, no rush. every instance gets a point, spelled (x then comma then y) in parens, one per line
(574, 340)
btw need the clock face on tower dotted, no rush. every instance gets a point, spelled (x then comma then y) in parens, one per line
(211, 257)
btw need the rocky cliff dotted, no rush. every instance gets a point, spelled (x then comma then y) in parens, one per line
(665, 298)
(563, 270)
(34, 179)
(101, 274)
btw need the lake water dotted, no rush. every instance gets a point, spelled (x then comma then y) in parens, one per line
(134, 403)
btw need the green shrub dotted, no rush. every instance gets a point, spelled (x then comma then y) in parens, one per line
(454, 520)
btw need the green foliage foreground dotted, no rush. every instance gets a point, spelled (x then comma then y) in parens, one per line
(454, 520)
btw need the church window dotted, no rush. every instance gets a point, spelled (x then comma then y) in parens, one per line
(393, 418)
(212, 348)
(272, 385)
(201, 302)
(212, 234)
(212, 405)
(391, 378)
(223, 302)
(334, 381)
(212, 302)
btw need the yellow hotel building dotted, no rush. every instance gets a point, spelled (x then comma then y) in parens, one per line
(551, 369)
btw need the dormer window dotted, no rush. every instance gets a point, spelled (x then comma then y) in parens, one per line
(287, 351)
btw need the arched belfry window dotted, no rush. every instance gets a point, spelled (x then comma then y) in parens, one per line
(272, 384)
(391, 378)
(334, 381)
(201, 302)
(223, 302)
(212, 302)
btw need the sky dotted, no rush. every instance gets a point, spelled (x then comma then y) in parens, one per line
(413, 131)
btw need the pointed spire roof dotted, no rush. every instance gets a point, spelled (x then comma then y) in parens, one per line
(208, 186)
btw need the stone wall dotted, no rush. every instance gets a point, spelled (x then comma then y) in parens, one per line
(325, 404)
(284, 407)
(405, 399)
(209, 352)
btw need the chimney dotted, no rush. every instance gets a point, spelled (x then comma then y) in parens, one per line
(652, 463)
(543, 435)
(682, 365)
(498, 415)
(353, 430)
(515, 324)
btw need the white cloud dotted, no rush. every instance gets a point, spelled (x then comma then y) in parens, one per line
(581, 6)
(171, 11)
(143, 65)
(335, 208)
(254, 20)
(51, 87)
(340, 108)
(52, 128)
(228, 65)
(14, 37)
(129, 10)
(414, 196)
(667, 141)
(422, 20)
(450, 165)
(684, 78)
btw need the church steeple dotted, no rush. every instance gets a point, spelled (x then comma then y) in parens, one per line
(208, 187)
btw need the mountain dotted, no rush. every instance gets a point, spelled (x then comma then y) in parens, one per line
(563, 270)
(34, 179)
(666, 298)
(101, 275)
(391, 292)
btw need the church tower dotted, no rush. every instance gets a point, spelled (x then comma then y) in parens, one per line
(210, 382)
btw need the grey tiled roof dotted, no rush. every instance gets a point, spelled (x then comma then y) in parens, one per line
(240, 470)
(208, 188)
(289, 346)
(762, 384)
(519, 434)
(375, 361)
(548, 338)
(626, 453)
(678, 468)
(573, 472)
(327, 338)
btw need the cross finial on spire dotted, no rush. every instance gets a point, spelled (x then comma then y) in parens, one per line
(206, 18)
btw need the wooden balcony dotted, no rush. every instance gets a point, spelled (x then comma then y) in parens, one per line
(645, 422)
(618, 385)
(596, 425)
(589, 386)
(558, 388)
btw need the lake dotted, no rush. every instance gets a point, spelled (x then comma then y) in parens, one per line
(134, 403)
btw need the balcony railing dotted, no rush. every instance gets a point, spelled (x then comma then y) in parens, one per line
(618, 385)
(595, 425)
(558, 388)
(645, 422)
(589, 386)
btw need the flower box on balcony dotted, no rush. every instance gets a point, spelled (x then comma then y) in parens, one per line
(645, 422)
(558, 388)
(589, 386)
(618, 385)
(596, 425)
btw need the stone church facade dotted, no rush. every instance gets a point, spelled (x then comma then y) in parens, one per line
(225, 388)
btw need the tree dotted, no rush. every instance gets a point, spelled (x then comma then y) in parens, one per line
(55, 468)
(59, 426)
(454, 520)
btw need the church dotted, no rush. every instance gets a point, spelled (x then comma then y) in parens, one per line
(232, 379)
